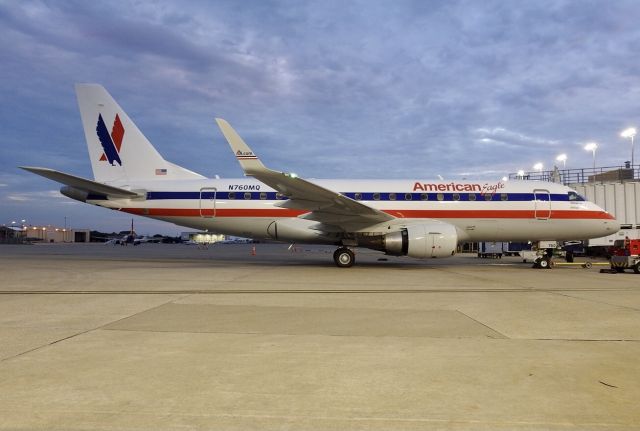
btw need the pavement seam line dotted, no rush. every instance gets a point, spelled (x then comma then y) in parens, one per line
(486, 326)
(593, 300)
(319, 291)
(88, 330)
(301, 334)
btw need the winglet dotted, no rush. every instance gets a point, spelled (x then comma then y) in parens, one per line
(247, 159)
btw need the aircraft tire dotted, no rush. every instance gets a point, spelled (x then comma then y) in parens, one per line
(344, 258)
(636, 268)
(569, 257)
(544, 263)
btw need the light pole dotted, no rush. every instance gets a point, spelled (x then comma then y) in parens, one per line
(629, 133)
(592, 146)
(562, 158)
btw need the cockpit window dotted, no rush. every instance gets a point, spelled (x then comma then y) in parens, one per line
(574, 197)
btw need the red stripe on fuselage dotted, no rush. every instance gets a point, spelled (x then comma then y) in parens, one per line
(185, 212)
(435, 214)
(501, 214)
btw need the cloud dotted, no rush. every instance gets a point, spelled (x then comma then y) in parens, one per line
(503, 137)
(40, 196)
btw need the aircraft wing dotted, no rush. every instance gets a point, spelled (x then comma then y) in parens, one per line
(325, 206)
(82, 183)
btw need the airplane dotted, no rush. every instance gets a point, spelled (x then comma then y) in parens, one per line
(418, 218)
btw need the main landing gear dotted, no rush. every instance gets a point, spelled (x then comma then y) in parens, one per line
(344, 257)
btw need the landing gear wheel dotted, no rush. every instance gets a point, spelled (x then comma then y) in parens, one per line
(344, 258)
(569, 256)
(636, 268)
(544, 263)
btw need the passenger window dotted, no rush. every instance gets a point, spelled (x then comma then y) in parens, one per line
(407, 196)
(358, 196)
(440, 196)
(504, 197)
(456, 196)
(263, 196)
(424, 196)
(487, 197)
(392, 196)
(232, 195)
(280, 196)
(247, 196)
(376, 196)
(472, 196)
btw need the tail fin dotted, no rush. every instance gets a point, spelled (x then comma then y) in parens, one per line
(119, 152)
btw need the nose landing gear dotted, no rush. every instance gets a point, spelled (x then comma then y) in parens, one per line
(344, 257)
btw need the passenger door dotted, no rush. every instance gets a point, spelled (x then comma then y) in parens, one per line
(207, 202)
(542, 204)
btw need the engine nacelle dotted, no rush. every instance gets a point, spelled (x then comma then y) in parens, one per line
(422, 241)
(73, 193)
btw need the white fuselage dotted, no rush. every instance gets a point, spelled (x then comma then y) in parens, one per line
(480, 210)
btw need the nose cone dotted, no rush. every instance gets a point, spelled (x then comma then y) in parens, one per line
(612, 226)
(609, 225)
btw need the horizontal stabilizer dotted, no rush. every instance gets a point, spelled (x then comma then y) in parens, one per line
(82, 183)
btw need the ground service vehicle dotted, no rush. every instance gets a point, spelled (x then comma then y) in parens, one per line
(625, 254)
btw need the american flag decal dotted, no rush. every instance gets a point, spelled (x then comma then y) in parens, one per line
(161, 172)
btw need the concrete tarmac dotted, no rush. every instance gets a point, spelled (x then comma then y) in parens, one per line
(98, 337)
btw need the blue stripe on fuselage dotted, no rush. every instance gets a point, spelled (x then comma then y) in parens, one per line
(403, 197)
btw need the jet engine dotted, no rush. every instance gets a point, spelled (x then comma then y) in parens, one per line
(421, 241)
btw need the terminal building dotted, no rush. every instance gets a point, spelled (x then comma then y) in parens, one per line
(19, 234)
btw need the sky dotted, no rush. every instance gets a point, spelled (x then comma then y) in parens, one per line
(328, 89)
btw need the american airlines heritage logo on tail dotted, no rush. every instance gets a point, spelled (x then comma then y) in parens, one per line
(111, 142)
